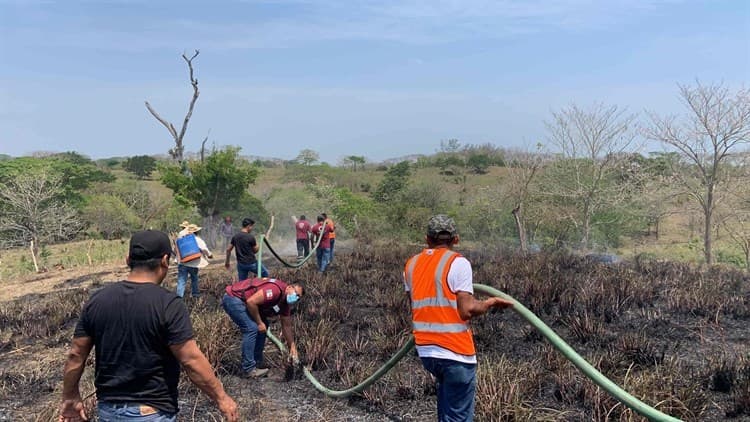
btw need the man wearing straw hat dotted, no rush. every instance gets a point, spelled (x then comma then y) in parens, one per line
(183, 228)
(190, 268)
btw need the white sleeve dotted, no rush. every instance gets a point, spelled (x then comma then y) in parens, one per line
(406, 285)
(460, 278)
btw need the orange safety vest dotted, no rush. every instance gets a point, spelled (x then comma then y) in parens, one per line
(434, 306)
(332, 234)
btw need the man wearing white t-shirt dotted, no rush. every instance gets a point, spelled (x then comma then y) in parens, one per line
(439, 284)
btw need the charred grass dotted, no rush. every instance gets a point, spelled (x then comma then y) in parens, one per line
(672, 335)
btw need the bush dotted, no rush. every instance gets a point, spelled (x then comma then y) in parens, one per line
(108, 215)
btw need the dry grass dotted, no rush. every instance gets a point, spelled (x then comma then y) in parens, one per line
(672, 335)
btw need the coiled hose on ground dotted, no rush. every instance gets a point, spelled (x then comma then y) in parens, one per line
(592, 373)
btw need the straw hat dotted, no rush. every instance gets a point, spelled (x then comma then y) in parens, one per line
(192, 228)
(184, 224)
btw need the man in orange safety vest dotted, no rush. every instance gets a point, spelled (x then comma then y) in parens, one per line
(439, 284)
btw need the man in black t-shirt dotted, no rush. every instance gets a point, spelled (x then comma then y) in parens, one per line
(141, 334)
(245, 248)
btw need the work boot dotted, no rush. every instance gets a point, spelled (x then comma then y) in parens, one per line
(256, 373)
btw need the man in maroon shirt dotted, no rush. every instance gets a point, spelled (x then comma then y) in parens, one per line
(323, 231)
(250, 303)
(302, 227)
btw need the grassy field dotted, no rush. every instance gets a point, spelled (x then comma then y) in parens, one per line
(17, 263)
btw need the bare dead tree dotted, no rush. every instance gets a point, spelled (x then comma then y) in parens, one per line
(716, 124)
(31, 212)
(203, 145)
(179, 148)
(733, 215)
(524, 168)
(592, 144)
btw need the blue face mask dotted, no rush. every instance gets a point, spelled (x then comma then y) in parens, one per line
(292, 298)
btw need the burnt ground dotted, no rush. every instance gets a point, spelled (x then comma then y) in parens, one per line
(674, 336)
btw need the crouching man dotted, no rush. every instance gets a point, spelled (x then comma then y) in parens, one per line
(141, 334)
(249, 303)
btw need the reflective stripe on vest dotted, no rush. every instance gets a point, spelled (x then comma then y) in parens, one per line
(435, 327)
(440, 299)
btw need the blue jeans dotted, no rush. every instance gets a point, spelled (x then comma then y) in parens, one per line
(330, 255)
(182, 275)
(323, 257)
(252, 340)
(109, 412)
(245, 270)
(456, 384)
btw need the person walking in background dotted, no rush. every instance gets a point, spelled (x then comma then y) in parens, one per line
(331, 236)
(245, 248)
(141, 334)
(322, 231)
(249, 303)
(226, 230)
(439, 285)
(190, 268)
(302, 228)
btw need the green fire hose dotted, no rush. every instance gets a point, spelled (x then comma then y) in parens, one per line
(264, 240)
(592, 373)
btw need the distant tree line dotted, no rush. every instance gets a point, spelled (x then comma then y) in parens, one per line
(584, 186)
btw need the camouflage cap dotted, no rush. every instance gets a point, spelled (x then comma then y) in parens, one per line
(441, 223)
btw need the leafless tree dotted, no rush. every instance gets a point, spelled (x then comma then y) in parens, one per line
(524, 168)
(592, 144)
(31, 212)
(203, 145)
(307, 157)
(178, 137)
(715, 126)
(733, 214)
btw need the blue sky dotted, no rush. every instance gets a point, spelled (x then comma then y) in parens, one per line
(346, 77)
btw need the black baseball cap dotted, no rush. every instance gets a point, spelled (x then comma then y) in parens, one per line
(149, 244)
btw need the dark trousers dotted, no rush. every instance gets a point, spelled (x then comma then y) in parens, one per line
(303, 248)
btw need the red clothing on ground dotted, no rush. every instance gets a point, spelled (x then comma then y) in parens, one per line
(325, 242)
(302, 227)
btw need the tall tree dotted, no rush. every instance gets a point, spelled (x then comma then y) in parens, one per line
(217, 184)
(307, 157)
(32, 212)
(354, 161)
(394, 182)
(140, 165)
(75, 173)
(592, 144)
(715, 126)
(179, 148)
(524, 169)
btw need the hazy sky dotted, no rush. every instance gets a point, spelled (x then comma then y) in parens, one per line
(346, 77)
